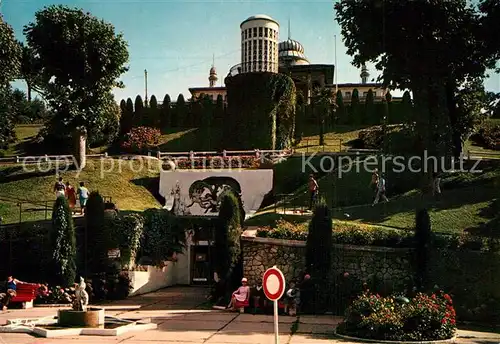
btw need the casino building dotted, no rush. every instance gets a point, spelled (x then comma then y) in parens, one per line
(261, 52)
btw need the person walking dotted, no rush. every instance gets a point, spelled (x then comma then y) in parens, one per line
(83, 196)
(380, 190)
(313, 191)
(60, 188)
(71, 196)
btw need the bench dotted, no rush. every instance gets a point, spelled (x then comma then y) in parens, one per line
(25, 294)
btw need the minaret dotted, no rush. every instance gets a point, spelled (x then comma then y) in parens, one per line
(364, 74)
(212, 78)
(289, 32)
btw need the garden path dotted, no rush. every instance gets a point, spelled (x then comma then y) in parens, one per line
(182, 318)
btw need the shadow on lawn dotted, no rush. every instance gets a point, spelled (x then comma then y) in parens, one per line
(451, 199)
(191, 139)
(490, 228)
(152, 184)
(19, 173)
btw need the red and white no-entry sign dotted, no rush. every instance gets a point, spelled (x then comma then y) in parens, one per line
(273, 283)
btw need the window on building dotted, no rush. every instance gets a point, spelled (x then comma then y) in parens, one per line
(255, 32)
(365, 94)
(266, 32)
(348, 94)
(260, 32)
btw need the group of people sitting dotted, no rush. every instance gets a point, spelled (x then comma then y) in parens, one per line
(295, 298)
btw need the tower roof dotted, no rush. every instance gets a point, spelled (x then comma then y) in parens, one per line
(291, 52)
(259, 17)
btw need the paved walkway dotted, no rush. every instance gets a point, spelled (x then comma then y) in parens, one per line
(181, 319)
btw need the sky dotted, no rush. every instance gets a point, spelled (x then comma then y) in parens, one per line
(175, 40)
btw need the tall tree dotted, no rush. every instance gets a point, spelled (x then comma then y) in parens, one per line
(64, 243)
(96, 255)
(219, 111)
(153, 113)
(29, 69)
(138, 111)
(370, 113)
(406, 108)
(181, 112)
(319, 246)
(79, 60)
(341, 110)
(130, 110)
(355, 113)
(165, 121)
(414, 53)
(10, 54)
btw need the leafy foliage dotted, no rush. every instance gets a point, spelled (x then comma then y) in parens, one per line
(98, 235)
(79, 59)
(260, 113)
(416, 54)
(166, 112)
(423, 235)
(64, 243)
(227, 240)
(164, 236)
(7, 115)
(421, 318)
(141, 139)
(181, 117)
(319, 253)
(10, 55)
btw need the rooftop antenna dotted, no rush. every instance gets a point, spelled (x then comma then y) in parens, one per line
(213, 58)
(289, 31)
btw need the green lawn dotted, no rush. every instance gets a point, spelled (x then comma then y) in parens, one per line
(336, 139)
(129, 190)
(24, 133)
(470, 201)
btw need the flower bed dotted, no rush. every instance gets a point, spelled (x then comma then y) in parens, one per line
(420, 318)
(218, 162)
(347, 233)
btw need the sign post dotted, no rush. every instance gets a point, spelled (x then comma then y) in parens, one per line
(273, 283)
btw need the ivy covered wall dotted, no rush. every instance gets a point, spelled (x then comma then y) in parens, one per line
(260, 112)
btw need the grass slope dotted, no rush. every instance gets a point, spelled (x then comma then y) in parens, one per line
(24, 134)
(128, 189)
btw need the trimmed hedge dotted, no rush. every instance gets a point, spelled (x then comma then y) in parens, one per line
(353, 233)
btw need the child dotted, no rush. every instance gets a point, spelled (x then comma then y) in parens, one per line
(71, 196)
(293, 299)
(83, 195)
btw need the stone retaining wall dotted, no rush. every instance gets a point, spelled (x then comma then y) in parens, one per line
(386, 265)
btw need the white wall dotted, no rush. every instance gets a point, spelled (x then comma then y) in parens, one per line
(155, 278)
(254, 184)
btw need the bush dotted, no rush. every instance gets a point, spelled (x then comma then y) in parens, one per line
(141, 139)
(347, 233)
(164, 236)
(64, 243)
(421, 318)
(98, 233)
(489, 136)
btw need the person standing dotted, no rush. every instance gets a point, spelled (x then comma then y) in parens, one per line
(10, 292)
(374, 182)
(313, 191)
(380, 191)
(436, 185)
(83, 196)
(60, 188)
(71, 196)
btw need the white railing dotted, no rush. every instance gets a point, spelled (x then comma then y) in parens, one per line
(225, 153)
(483, 154)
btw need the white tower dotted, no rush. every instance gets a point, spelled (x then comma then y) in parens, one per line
(259, 44)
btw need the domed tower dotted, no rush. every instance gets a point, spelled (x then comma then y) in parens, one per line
(364, 74)
(212, 78)
(291, 52)
(259, 44)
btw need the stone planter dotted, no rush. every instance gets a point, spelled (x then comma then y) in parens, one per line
(92, 318)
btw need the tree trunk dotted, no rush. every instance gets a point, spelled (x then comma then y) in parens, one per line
(81, 148)
(453, 115)
(28, 91)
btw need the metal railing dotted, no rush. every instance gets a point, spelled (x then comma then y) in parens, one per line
(225, 153)
(38, 207)
(487, 155)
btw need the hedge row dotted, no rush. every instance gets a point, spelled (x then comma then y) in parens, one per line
(351, 233)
